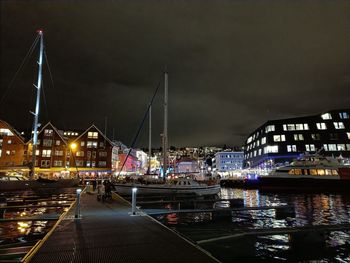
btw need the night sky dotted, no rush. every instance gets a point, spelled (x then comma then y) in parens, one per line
(232, 64)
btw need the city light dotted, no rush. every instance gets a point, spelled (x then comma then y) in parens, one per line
(73, 146)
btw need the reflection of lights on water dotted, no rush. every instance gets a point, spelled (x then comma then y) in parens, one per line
(23, 226)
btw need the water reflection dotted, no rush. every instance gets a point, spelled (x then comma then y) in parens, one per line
(16, 205)
(310, 209)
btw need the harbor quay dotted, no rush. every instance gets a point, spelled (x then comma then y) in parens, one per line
(108, 232)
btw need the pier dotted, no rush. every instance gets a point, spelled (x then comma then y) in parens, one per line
(107, 232)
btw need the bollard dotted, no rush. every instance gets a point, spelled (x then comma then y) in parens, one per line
(134, 190)
(77, 207)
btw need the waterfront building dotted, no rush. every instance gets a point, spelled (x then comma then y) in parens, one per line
(131, 163)
(143, 160)
(186, 165)
(51, 151)
(93, 154)
(12, 146)
(277, 142)
(227, 161)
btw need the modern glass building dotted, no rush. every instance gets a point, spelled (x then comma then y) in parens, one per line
(228, 161)
(280, 141)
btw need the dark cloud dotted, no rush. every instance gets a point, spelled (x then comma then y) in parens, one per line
(233, 64)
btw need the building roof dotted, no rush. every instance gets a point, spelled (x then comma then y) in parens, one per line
(94, 126)
(13, 130)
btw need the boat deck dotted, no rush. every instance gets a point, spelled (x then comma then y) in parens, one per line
(108, 233)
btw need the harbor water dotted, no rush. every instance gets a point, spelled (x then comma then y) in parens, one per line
(309, 209)
(27, 216)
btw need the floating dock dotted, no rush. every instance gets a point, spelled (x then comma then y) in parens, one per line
(107, 232)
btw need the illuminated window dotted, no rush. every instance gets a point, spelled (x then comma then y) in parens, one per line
(310, 147)
(320, 172)
(270, 128)
(279, 138)
(259, 151)
(341, 147)
(339, 125)
(37, 152)
(80, 153)
(82, 143)
(6, 132)
(7, 152)
(298, 137)
(58, 142)
(306, 126)
(9, 141)
(326, 116)
(93, 135)
(291, 148)
(343, 115)
(271, 149)
(48, 132)
(328, 172)
(330, 147)
(263, 140)
(321, 126)
(313, 172)
(46, 153)
(91, 144)
(334, 172)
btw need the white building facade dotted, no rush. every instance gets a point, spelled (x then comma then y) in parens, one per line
(228, 161)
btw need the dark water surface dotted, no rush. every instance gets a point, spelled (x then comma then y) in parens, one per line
(310, 210)
(21, 235)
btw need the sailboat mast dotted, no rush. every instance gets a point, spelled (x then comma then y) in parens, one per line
(37, 104)
(150, 138)
(165, 132)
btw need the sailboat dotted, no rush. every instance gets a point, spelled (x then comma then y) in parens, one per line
(10, 182)
(185, 185)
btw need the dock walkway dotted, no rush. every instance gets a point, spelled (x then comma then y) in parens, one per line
(107, 233)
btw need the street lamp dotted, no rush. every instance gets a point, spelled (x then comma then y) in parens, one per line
(73, 147)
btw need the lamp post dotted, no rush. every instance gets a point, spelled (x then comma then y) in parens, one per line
(77, 208)
(133, 209)
(72, 148)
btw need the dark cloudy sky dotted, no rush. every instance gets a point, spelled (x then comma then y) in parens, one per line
(232, 64)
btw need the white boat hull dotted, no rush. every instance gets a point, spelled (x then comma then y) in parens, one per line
(126, 189)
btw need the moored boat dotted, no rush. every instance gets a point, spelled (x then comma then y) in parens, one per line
(310, 172)
(180, 186)
(12, 182)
